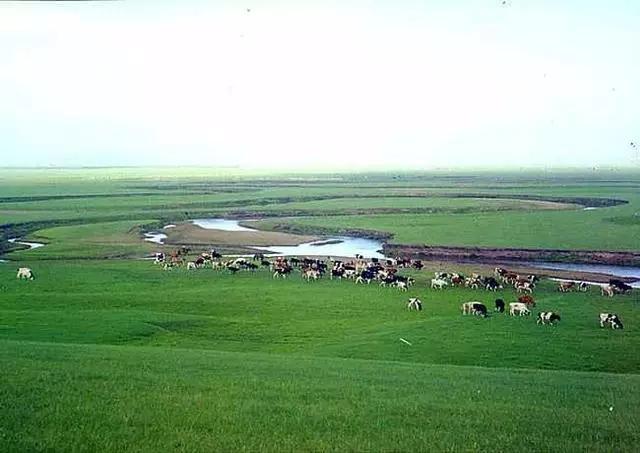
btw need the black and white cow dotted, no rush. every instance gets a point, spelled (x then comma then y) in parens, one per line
(547, 317)
(414, 304)
(612, 319)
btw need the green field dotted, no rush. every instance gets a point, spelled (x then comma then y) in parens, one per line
(105, 351)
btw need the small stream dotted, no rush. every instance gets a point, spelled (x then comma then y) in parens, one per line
(31, 245)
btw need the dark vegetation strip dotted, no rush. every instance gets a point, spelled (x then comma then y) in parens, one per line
(583, 201)
(498, 255)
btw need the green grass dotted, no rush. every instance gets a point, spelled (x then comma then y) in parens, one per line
(123, 356)
(343, 201)
(101, 353)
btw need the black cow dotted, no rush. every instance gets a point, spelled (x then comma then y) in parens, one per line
(500, 305)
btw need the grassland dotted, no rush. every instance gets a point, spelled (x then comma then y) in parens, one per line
(413, 208)
(122, 356)
(104, 351)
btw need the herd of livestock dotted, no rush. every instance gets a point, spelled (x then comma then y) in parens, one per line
(386, 273)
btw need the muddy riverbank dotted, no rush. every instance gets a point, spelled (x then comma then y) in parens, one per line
(508, 255)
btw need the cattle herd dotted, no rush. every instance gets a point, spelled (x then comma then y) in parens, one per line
(386, 274)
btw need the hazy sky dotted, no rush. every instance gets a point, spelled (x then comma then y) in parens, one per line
(345, 84)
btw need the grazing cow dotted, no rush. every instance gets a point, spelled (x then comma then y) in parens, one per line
(281, 272)
(500, 305)
(402, 286)
(438, 283)
(310, 274)
(547, 317)
(191, 265)
(200, 261)
(414, 304)
(583, 287)
(565, 287)
(491, 284)
(474, 308)
(25, 273)
(500, 271)
(233, 269)
(518, 308)
(524, 287)
(159, 258)
(608, 290)
(479, 309)
(527, 300)
(619, 286)
(365, 276)
(612, 319)
(169, 266)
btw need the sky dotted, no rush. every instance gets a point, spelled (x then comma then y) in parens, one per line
(327, 84)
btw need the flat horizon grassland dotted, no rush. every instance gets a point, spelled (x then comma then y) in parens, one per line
(120, 355)
(414, 208)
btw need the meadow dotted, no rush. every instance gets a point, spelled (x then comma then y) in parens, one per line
(105, 351)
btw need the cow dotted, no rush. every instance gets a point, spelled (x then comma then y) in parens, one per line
(159, 258)
(191, 265)
(583, 287)
(281, 272)
(310, 274)
(438, 283)
(25, 273)
(518, 308)
(547, 317)
(619, 286)
(524, 287)
(499, 271)
(169, 265)
(565, 287)
(500, 305)
(491, 284)
(402, 286)
(365, 276)
(414, 304)
(612, 319)
(607, 290)
(527, 300)
(474, 308)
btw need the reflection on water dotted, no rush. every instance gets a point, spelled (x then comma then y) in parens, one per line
(347, 247)
(220, 224)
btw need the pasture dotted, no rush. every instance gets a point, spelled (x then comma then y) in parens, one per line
(106, 351)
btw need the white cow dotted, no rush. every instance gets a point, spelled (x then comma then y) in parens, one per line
(518, 308)
(612, 319)
(438, 283)
(25, 272)
(608, 290)
(414, 304)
